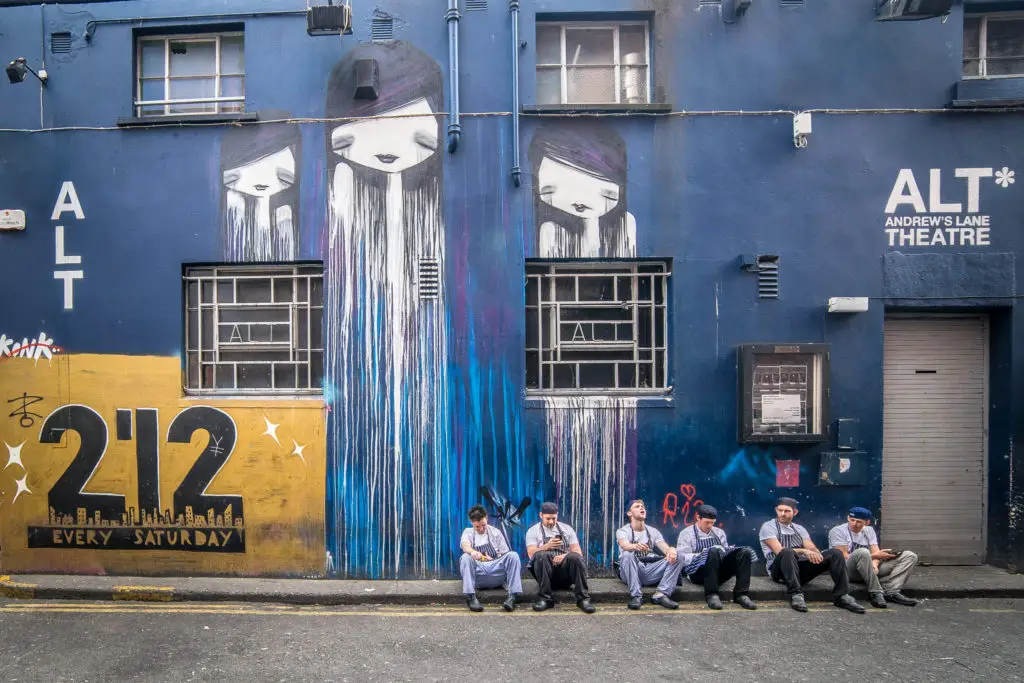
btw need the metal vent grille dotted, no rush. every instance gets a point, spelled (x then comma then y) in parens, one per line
(60, 43)
(709, 3)
(476, 5)
(791, 3)
(767, 277)
(382, 28)
(430, 278)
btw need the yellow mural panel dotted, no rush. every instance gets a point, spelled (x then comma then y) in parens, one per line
(110, 470)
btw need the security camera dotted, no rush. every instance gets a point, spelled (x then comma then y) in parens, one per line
(801, 129)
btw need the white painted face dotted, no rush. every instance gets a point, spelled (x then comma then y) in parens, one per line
(575, 191)
(391, 145)
(264, 177)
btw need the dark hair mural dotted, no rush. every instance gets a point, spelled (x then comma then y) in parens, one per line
(579, 191)
(259, 167)
(387, 325)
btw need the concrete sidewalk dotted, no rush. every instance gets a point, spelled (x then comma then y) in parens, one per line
(927, 582)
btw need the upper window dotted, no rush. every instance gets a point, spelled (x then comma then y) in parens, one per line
(597, 327)
(190, 74)
(993, 45)
(593, 63)
(254, 329)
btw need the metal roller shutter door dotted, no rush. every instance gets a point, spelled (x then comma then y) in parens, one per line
(934, 450)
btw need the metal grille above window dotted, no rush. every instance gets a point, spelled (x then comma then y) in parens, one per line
(254, 329)
(791, 3)
(430, 278)
(476, 5)
(60, 43)
(597, 327)
(709, 3)
(767, 277)
(382, 28)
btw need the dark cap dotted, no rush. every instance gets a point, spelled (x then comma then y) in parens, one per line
(707, 511)
(860, 513)
(791, 502)
(548, 509)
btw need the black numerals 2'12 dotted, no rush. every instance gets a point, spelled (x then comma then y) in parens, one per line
(218, 449)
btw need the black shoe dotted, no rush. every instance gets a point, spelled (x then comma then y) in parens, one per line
(797, 602)
(665, 601)
(542, 604)
(635, 603)
(848, 603)
(714, 602)
(474, 604)
(509, 604)
(878, 600)
(585, 605)
(901, 599)
(745, 602)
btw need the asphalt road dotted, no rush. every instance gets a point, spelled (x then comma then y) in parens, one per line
(955, 640)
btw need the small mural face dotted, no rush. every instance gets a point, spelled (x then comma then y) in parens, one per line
(119, 465)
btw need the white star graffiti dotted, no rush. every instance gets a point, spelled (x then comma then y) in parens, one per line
(14, 455)
(298, 451)
(22, 488)
(271, 430)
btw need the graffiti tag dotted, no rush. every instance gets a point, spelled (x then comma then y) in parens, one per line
(40, 347)
(26, 418)
(671, 509)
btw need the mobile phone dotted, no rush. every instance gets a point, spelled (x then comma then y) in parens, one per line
(895, 553)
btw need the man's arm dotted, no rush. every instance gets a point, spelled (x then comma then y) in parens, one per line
(670, 553)
(836, 540)
(811, 551)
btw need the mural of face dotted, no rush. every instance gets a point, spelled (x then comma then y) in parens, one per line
(389, 145)
(264, 177)
(571, 189)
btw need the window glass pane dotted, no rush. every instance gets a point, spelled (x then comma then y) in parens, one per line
(152, 59)
(633, 44)
(1005, 47)
(634, 84)
(193, 58)
(591, 85)
(549, 85)
(152, 90)
(254, 376)
(589, 46)
(1004, 67)
(972, 37)
(549, 44)
(232, 56)
(190, 88)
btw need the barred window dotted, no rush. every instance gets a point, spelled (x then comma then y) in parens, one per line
(254, 329)
(597, 327)
(190, 74)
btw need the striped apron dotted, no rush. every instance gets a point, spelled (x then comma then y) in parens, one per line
(565, 539)
(793, 540)
(652, 555)
(702, 546)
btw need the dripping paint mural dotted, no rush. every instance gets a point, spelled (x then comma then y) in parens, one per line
(579, 173)
(260, 199)
(387, 324)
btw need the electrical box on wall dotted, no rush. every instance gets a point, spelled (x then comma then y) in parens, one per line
(846, 468)
(12, 219)
(783, 393)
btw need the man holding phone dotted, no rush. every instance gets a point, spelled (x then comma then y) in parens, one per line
(556, 560)
(645, 559)
(885, 571)
(487, 562)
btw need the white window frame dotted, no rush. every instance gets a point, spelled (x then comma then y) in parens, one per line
(210, 356)
(550, 307)
(613, 26)
(140, 105)
(983, 44)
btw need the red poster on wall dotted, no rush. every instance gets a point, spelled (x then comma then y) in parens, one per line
(787, 473)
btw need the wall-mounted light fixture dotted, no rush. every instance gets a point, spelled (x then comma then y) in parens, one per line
(17, 68)
(847, 304)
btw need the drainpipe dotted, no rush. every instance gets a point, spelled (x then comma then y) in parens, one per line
(454, 128)
(513, 7)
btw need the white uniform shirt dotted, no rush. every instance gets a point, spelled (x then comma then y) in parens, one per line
(537, 536)
(686, 546)
(842, 536)
(491, 539)
(771, 529)
(649, 535)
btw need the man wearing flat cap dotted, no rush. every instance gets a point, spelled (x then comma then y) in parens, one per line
(793, 559)
(884, 571)
(645, 559)
(556, 560)
(708, 559)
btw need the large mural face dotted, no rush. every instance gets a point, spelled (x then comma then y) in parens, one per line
(109, 471)
(387, 331)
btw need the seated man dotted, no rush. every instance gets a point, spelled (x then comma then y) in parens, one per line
(487, 562)
(883, 572)
(556, 560)
(641, 565)
(793, 559)
(708, 559)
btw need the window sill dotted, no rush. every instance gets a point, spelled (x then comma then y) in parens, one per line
(988, 92)
(606, 401)
(639, 109)
(184, 119)
(315, 401)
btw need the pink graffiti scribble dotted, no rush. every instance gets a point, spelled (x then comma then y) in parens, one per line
(670, 507)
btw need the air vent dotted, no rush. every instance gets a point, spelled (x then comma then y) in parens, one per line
(791, 3)
(476, 5)
(430, 278)
(382, 28)
(60, 43)
(709, 3)
(767, 277)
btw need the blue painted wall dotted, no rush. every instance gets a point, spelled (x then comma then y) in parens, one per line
(705, 185)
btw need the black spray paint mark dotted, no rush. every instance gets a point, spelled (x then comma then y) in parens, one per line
(123, 424)
(26, 418)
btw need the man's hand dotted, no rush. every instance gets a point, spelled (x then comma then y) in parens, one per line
(558, 559)
(882, 555)
(477, 555)
(672, 556)
(552, 544)
(815, 557)
(875, 563)
(640, 547)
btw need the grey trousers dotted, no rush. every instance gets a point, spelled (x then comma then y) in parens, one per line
(891, 576)
(636, 574)
(504, 571)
